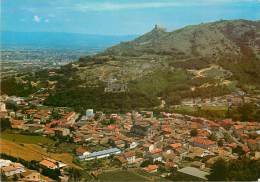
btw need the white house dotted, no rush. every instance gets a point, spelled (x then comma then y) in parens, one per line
(133, 145)
(4, 163)
(130, 157)
(12, 169)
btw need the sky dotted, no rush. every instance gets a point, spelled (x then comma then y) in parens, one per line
(119, 17)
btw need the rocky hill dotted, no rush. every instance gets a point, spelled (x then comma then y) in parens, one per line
(196, 61)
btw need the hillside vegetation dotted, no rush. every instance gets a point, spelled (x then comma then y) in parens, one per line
(211, 59)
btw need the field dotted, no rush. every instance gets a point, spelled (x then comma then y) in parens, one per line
(212, 112)
(25, 147)
(120, 175)
(29, 139)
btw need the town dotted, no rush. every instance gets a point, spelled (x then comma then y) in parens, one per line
(152, 146)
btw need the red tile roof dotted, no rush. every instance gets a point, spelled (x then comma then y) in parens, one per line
(156, 151)
(129, 154)
(176, 145)
(238, 127)
(254, 142)
(203, 141)
(245, 148)
(151, 168)
(48, 164)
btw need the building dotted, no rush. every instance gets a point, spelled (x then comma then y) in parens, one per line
(33, 177)
(12, 169)
(252, 144)
(103, 153)
(192, 171)
(48, 164)
(52, 164)
(4, 163)
(156, 157)
(90, 113)
(151, 168)
(198, 164)
(203, 142)
(141, 129)
(62, 131)
(133, 145)
(82, 153)
(116, 87)
(130, 157)
(70, 118)
(3, 111)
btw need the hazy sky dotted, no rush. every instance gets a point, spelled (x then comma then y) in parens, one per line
(119, 16)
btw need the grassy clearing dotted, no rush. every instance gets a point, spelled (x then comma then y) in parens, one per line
(211, 112)
(29, 139)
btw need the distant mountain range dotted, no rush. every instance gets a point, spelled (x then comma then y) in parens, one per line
(61, 40)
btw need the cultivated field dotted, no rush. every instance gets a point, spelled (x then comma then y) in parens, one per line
(29, 139)
(33, 152)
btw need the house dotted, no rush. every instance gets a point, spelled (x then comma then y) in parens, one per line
(203, 133)
(130, 157)
(103, 153)
(151, 168)
(12, 169)
(49, 131)
(227, 123)
(82, 153)
(252, 144)
(70, 118)
(198, 152)
(173, 147)
(90, 113)
(149, 147)
(48, 164)
(3, 111)
(62, 131)
(120, 143)
(116, 87)
(33, 177)
(258, 142)
(170, 164)
(203, 142)
(121, 160)
(198, 164)
(155, 157)
(141, 129)
(133, 144)
(51, 164)
(18, 124)
(4, 163)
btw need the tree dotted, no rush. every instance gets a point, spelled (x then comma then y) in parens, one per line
(15, 177)
(212, 137)
(55, 114)
(146, 163)
(220, 143)
(239, 150)
(218, 171)
(74, 174)
(5, 124)
(235, 170)
(194, 132)
(3, 177)
(54, 174)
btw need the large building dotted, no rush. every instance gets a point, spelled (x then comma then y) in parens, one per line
(103, 153)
